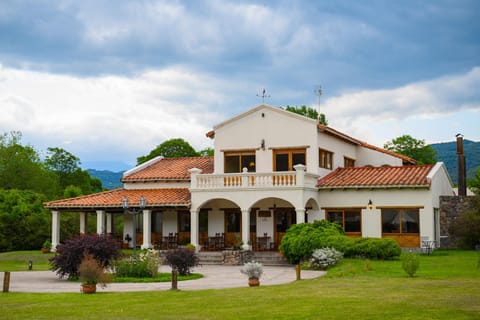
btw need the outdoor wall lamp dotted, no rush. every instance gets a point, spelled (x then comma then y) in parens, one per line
(370, 205)
(262, 144)
(141, 203)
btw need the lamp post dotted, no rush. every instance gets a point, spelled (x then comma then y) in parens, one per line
(142, 203)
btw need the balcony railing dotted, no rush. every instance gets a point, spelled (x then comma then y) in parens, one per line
(253, 180)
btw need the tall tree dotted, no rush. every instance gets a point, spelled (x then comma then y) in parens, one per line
(173, 148)
(308, 112)
(474, 183)
(413, 148)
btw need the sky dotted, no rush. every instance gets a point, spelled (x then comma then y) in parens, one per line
(110, 80)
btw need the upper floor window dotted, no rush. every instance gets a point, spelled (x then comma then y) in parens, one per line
(349, 219)
(284, 160)
(325, 159)
(236, 161)
(348, 162)
(400, 221)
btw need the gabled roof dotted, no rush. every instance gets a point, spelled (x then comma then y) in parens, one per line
(113, 199)
(211, 134)
(377, 177)
(169, 169)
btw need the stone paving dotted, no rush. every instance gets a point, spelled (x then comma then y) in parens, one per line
(214, 277)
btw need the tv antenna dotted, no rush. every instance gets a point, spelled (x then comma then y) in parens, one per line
(263, 95)
(318, 92)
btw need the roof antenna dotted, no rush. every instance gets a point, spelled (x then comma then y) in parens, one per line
(318, 92)
(264, 95)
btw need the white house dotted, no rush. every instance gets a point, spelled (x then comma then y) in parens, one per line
(271, 169)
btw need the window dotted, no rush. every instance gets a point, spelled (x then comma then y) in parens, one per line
(400, 221)
(184, 221)
(325, 159)
(348, 163)
(284, 160)
(236, 161)
(349, 219)
(232, 218)
(203, 220)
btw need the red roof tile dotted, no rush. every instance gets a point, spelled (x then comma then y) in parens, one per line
(171, 169)
(377, 177)
(113, 199)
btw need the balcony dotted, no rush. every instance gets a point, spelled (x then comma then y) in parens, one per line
(267, 180)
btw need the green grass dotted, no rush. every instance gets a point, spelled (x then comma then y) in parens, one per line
(446, 286)
(18, 260)
(162, 277)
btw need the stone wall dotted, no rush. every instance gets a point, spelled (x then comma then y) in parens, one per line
(450, 208)
(236, 257)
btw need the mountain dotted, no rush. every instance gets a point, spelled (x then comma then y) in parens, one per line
(447, 153)
(110, 179)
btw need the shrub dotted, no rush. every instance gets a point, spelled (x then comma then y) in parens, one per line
(324, 258)
(91, 272)
(410, 263)
(302, 239)
(146, 266)
(252, 269)
(372, 248)
(69, 255)
(182, 260)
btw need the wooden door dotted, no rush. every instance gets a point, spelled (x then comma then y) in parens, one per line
(233, 227)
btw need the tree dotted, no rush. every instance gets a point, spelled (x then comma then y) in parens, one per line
(413, 148)
(173, 148)
(308, 112)
(474, 183)
(206, 152)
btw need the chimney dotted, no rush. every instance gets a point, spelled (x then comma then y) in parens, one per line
(462, 174)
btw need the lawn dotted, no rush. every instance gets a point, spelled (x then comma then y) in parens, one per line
(447, 286)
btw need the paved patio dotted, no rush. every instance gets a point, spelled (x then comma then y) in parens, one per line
(214, 277)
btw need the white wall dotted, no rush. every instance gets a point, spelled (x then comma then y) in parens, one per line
(374, 158)
(278, 128)
(169, 222)
(156, 185)
(339, 148)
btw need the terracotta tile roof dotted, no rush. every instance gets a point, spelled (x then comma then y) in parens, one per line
(171, 169)
(113, 199)
(347, 138)
(377, 177)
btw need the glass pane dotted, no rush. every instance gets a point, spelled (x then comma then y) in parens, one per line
(285, 218)
(253, 220)
(335, 216)
(203, 221)
(298, 158)
(157, 222)
(281, 161)
(233, 221)
(352, 221)
(232, 164)
(184, 221)
(390, 221)
(410, 221)
(248, 161)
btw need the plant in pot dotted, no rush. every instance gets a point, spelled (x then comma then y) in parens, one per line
(92, 273)
(47, 246)
(254, 271)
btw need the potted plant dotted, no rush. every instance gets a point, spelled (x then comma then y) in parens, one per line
(91, 273)
(47, 246)
(254, 271)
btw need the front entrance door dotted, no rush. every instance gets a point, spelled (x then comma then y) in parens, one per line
(284, 218)
(233, 227)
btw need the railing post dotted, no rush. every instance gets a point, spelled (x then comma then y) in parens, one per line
(300, 169)
(193, 177)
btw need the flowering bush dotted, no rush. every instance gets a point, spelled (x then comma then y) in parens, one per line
(145, 266)
(182, 260)
(252, 269)
(324, 258)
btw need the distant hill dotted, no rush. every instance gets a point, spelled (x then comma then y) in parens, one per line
(110, 179)
(447, 153)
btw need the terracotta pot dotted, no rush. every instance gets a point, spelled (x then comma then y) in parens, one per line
(253, 282)
(45, 250)
(89, 288)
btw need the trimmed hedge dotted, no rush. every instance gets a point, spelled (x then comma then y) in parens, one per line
(301, 240)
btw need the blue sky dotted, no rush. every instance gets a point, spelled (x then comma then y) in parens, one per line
(110, 80)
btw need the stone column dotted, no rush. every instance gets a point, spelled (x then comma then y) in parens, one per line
(100, 221)
(300, 172)
(109, 223)
(246, 229)
(83, 223)
(147, 229)
(193, 177)
(55, 229)
(300, 215)
(194, 228)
